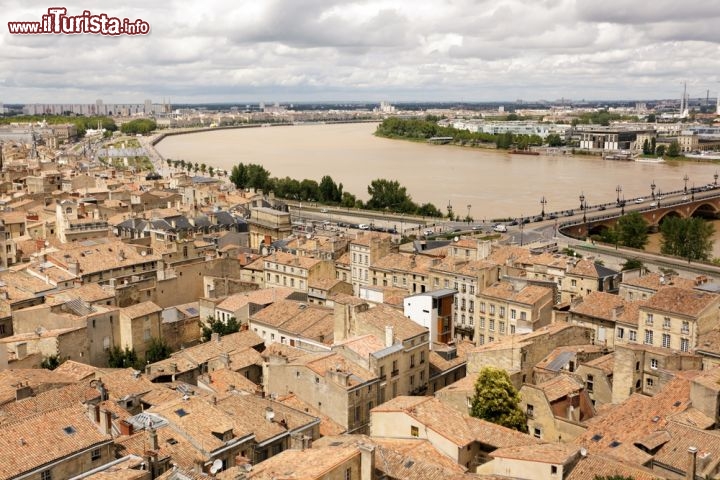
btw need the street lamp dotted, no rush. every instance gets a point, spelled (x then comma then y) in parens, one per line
(622, 206)
(686, 178)
(715, 177)
(652, 189)
(522, 226)
(582, 201)
(449, 209)
(618, 189)
(692, 194)
(543, 202)
(468, 215)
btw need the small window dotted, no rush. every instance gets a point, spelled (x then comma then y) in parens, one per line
(46, 475)
(653, 363)
(95, 454)
(537, 433)
(414, 431)
(649, 382)
(553, 469)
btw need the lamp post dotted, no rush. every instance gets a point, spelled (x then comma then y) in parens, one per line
(618, 189)
(622, 206)
(686, 178)
(449, 209)
(658, 198)
(692, 193)
(715, 177)
(468, 215)
(582, 201)
(522, 226)
(543, 202)
(652, 189)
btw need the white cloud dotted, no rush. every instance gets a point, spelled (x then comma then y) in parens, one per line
(221, 50)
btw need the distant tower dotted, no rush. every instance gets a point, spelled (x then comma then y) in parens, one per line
(682, 100)
(1, 156)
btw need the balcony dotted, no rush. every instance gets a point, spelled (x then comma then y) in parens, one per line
(395, 373)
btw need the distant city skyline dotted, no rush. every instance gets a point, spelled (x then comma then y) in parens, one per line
(394, 50)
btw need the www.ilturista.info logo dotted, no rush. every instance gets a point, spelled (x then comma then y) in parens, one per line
(57, 21)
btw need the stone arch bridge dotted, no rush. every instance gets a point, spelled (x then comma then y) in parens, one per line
(705, 205)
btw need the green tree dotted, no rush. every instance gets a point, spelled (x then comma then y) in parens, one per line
(203, 168)
(496, 400)
(350, 201)
(211, 171)
(429, 210)
(238, 176)
(651, 118)
(690, 238)
(646, 147)
(512, 117)
(660, 150)
(141, 126)
(632, 230)
(674, 149)
(389, 194)
(218, 326)
(119, 358)
(329, 192)
(554, 140)
(632, 264)
(653, 145)
(50, 362)
(157, 350)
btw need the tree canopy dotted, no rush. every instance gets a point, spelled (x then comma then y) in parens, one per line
(632, 230)
(496, 400)
(157, 350)
(140, 125)
(218, 326)
(690, 238)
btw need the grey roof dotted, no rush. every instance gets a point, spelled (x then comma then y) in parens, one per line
(146, 419)
(388, 350)
(440, 293)
(604, 271)
(79, 307)
(560, 361)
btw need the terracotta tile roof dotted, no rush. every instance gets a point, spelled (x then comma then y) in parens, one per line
(561, 386)
(528, 295)
(408, 459)
(674, 453)
(709, 379)
(657, 281)
(121, 382)
(520, 340)
(363, 345)
(328, 426)
(307, 320)
(458, 428)
(264, 296)
(90, 292)
(605, 306)
(606, 363)
(381, 316)
(692, 417)
(344, 259)
(224, 380)
(38, 379)
(309, 464)
(593, 466)
(709, 342)
(284, 258)
(324, 364)
(365, 238)
(104, 254)
(557, 453)
(76, 370)
(645, 414)
(402, 262)
(40, 439)
(291, 353)
(197, 419)
(73, 394)
(140, 310)
(681, 301)
(170, 444)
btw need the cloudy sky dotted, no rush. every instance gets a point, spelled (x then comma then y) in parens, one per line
(396, 50)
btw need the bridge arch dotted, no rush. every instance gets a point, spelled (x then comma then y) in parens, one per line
(669, 214)
(705, 210)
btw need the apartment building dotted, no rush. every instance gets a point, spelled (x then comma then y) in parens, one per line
(366, 249)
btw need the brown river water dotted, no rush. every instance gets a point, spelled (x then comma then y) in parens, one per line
(493, 184)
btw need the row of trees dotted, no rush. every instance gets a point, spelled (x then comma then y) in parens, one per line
(423, 129)
(192, 167)
(384, 194)
(650, 147)
(689, 238)
(141, 125)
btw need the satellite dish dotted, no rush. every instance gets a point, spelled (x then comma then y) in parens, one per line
(308, 236)
(143, 253)
(583, 452)
(456, 239)
(216, 466)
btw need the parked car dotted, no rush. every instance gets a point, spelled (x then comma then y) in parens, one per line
(639, 200)
(601, 207)
(500, 228)
(654, 204)
(364, 226)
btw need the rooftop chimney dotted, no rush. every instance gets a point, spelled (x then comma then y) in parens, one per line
(152, 439)
(367, 462)
(389, 340)
(692, 457)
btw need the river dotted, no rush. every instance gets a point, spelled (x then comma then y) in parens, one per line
(487, 183)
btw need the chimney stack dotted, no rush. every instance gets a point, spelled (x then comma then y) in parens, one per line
(389, 340)
(153, 439)
(367, 462)
(692, 458)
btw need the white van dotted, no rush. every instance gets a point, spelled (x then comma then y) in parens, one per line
(364, 226)
(500, 228)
